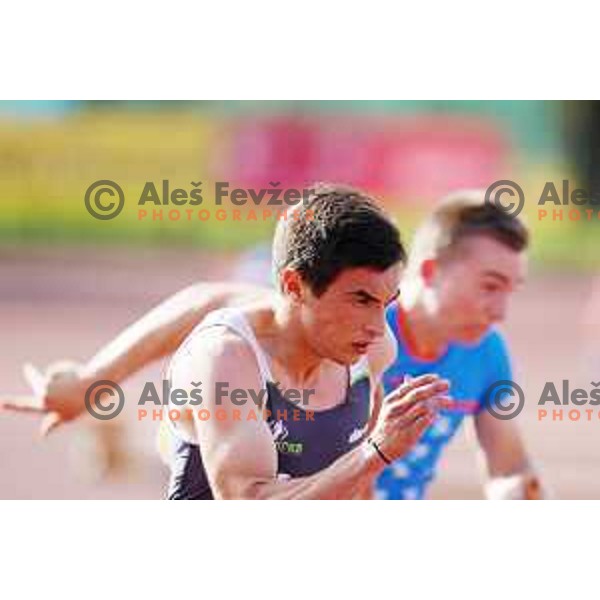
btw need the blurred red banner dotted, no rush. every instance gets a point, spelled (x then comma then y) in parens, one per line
(410, 160)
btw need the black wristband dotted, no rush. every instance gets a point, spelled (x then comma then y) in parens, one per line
(383, 457)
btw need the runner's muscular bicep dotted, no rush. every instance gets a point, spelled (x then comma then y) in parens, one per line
(237, 447)
(238, 459)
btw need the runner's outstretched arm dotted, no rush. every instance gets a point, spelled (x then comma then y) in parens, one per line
(59, 392)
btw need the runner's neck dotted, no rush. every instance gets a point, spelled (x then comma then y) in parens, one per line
(286, 345)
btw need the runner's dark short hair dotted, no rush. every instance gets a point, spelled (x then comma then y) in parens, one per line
(336, 228)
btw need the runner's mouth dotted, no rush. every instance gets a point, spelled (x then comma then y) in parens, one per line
(477, 330)
(361, 347)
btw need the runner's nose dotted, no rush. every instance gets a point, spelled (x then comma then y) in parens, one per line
(375, 328)
(498, 308)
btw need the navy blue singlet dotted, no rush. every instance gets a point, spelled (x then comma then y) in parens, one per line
(304, 445)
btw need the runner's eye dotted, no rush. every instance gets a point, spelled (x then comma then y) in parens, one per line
(491, 287)
(363, 299)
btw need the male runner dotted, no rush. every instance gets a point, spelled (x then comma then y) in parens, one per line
(338, 265)
(466, 261)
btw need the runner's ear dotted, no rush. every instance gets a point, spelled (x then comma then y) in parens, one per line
(428, 270)
(291, 284)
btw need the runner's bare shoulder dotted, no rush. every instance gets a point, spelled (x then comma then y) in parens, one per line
(215, 351)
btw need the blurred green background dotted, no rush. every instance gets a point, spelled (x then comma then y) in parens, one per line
(408, 153)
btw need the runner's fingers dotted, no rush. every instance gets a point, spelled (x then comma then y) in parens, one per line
(443, 402)
(419, 391)
(421, 423)
(23, 404)
(405, 418)
(420, 395)
(428, 391)
(413, 383)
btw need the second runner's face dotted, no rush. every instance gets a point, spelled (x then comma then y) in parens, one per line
(349, 316)
(473, 289)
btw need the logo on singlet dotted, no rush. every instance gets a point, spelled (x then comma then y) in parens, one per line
(279, 431)
(356, 435)
(280, 434)
(289, 447)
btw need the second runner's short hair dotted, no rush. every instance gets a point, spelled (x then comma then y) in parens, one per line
(460, 215)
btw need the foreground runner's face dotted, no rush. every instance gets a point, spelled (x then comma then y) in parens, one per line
(344, 322)
(473, 287)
